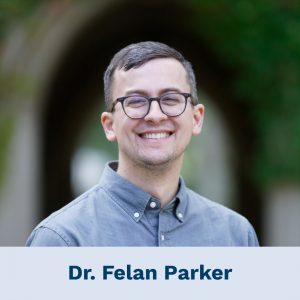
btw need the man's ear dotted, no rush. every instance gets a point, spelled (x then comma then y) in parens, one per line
(108, 126)
(198, 116)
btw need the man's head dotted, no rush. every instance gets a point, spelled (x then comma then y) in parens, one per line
(134, 56)
(151, 111)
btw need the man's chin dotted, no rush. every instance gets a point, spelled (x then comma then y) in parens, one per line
(156, 163)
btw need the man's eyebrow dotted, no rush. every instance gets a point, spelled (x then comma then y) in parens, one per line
(170, 90)
(135, 92)
(161, 92)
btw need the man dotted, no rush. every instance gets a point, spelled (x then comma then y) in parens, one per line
(152, 112)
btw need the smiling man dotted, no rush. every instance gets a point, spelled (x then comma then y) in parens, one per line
(152, 112)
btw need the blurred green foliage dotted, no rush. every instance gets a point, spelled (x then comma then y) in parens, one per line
(260, 40)
(6, 129)
(12, 11)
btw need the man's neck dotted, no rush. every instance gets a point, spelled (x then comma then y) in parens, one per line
(159, 181)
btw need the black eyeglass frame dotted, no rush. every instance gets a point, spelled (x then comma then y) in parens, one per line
(150, 100)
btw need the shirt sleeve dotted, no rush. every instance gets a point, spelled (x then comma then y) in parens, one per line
(46, 237)
(252, 238)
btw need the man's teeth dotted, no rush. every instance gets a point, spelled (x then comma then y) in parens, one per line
(159, 135)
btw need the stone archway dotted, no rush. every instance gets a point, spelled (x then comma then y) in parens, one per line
(76, 81)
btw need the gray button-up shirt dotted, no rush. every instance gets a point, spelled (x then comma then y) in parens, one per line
(117, 213)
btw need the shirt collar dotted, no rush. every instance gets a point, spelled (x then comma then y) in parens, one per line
(133, 199)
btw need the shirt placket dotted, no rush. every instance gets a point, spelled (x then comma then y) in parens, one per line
(167, 222)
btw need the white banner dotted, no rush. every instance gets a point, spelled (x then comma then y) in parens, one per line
(149, 273)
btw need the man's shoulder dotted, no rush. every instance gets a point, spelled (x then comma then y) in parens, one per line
(75, 208)
(213, 210)
(64, 223)
(222, 224)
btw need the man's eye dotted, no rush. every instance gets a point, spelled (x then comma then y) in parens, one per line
(135, 102)
(170, 100)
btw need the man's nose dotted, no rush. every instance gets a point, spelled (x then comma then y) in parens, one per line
(155, 114)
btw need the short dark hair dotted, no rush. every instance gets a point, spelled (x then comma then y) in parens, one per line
(135, 55)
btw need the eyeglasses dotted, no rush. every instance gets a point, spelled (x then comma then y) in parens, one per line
(137, 107)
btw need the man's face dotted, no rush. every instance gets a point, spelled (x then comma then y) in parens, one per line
(156, 139)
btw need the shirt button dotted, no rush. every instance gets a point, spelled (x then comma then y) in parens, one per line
(180, 215)
(152, 204)
(136, 214)
(162, 237)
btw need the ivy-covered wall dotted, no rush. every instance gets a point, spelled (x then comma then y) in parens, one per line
(260, 41)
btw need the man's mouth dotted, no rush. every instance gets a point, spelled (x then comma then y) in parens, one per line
(155, 135)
